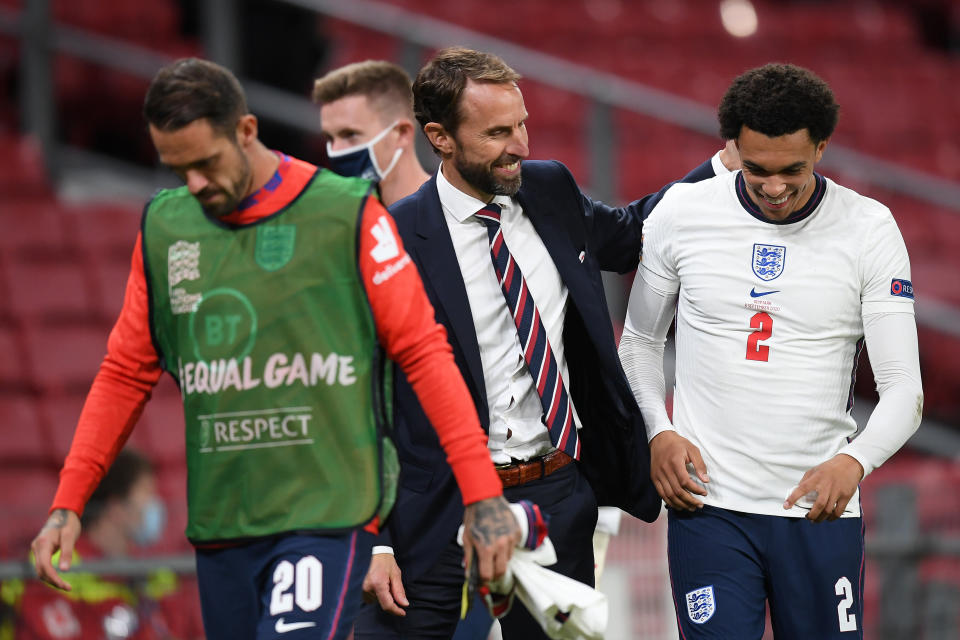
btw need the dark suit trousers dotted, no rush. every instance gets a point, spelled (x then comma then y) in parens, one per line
(565, 498)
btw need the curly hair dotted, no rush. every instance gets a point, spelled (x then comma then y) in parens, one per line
(776, 100)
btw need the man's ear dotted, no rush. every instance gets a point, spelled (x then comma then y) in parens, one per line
(820, 148)
(247, 130)
(406, 131)
(440, 138)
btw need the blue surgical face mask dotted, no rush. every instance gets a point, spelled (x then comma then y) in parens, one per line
(152, 520)
(361, 161)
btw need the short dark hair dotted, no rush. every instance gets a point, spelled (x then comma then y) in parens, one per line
(128, 467)
(190, 89)
(386, 85)
(776, 100)
(439, 85)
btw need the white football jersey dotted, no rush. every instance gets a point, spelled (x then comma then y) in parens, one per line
(769, 328)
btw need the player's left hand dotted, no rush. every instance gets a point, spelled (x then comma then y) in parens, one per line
(59, 533)
(834, 482)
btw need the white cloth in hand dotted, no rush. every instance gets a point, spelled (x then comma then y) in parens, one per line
(565, 608)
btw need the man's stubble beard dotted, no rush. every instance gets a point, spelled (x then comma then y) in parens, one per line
(234, 197)
(482, 178)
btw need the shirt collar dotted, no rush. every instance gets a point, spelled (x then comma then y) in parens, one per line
(804, 212)
(462, 205)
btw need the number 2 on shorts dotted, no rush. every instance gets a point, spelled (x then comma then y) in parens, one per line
(308, 591)
(848, 621)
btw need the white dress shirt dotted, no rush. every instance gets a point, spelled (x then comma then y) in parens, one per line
(516, 428)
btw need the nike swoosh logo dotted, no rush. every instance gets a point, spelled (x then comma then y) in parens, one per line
(283, 627)
(756, 294)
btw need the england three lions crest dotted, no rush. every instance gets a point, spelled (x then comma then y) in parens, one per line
(768, 260)
(700, 604)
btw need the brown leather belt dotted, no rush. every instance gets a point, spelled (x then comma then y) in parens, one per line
(522, 472)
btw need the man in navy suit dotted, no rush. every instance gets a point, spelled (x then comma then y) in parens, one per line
(510, 252)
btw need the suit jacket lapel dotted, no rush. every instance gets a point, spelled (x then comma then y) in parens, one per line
(441, 273)
(566, 256)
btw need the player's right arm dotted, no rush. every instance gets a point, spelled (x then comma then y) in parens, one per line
(116, 399)
(650, 311)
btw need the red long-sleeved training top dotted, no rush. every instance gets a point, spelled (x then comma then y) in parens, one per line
(405, 327)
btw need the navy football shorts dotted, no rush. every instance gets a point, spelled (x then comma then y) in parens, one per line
(726, 565)
(292, 586)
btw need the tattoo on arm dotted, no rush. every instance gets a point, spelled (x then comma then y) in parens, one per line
(492, 521)
(57, 519)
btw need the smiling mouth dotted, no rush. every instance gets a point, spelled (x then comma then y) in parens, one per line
(509, 168)
(775, 202)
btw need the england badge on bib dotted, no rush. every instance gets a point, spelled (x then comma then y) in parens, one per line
(700, 604)
(768, 260)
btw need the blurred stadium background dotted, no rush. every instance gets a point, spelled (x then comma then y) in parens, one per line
(623, 91)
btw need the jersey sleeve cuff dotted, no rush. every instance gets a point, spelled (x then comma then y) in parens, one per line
(478, 480)
(851, 450)
(71, 493)
(653, 432)
(381, 549)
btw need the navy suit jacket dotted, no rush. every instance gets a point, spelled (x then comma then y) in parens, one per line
(582, 237)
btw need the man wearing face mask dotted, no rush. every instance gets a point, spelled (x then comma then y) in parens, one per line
(123, 514)
(366, 113)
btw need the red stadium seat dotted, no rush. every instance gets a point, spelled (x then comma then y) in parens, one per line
(143, 22)
(22, 438)
(24, 511)
(111, 284)
(65, 357)
(354, 44)
(105, 231)
(46, 287)
(12, 374)
(22, 168)
(60, 411)
(32, 223)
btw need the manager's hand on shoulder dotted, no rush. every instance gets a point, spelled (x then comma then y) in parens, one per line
(670, 453)
(491, 530)
(730, 156)
(60, 532)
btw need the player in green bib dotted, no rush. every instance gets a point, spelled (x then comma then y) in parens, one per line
(274, 293)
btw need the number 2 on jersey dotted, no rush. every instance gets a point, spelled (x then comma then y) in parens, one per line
(763, 324)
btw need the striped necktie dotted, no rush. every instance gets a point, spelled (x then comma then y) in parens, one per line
(557, 410)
